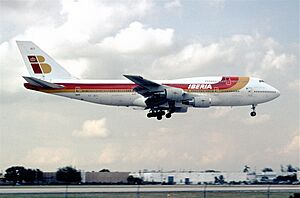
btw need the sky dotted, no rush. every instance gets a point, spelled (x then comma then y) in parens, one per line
(158, 40)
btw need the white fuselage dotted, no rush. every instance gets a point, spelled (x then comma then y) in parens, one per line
(255, 92)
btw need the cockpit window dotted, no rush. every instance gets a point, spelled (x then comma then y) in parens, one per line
(261, 81)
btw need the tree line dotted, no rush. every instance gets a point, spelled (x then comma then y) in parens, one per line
(22, 175)
(19, 174)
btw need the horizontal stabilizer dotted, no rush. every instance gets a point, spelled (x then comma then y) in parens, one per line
(41, 83)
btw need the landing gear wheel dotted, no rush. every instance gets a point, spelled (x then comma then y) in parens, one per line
(253, 113)
(168, 115)
(158, 113)
(151, 114)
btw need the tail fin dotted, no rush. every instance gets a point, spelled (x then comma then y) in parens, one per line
(39, 64)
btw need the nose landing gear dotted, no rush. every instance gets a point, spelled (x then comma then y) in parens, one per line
(253, 113)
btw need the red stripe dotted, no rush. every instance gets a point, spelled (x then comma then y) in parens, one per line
(36, 68)
(221, 85)
(99, 86)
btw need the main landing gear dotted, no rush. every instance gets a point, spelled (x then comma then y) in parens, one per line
(158, 114)
(253, 113)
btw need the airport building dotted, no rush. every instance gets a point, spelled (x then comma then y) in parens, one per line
(49, 177)
(104, 177)
(169, 177)
(92, 177)
(266, 176)
(192, 177)
(298, 175)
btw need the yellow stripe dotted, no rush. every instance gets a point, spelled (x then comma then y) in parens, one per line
(242, 82)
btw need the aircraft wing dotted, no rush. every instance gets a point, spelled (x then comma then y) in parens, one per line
(145, 87)
(142, 82)
(158, 95)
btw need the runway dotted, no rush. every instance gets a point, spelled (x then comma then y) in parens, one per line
(146, 188)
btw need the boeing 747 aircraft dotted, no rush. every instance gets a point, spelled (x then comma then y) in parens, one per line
(159, 97)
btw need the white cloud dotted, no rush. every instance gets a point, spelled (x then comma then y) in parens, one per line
(109, 155)
(173, 4)
(69, 32)
(211, 157)
(48, 157)
(294, 85)
(147, 150)
(189, 58)
(10, 65)
(145, 155)
(217, 153)
(219, 112)
(273, 61)
(218, 4)
(239, 55)
(89, 20)
(215, 138)
(92, 128)
(77, 66)
(19, 15)
(257, 119)
(137, 38)
(85, 22)
(293, 146)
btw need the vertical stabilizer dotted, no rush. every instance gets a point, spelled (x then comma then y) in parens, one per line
(39, 64)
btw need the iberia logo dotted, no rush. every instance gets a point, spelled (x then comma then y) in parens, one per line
(38, 65)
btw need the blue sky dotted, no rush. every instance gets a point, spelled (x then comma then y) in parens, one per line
(215, 19)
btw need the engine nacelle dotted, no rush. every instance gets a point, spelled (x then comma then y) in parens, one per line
(201, 102)
(175, 94)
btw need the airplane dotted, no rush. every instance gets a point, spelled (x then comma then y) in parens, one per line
(159, 97)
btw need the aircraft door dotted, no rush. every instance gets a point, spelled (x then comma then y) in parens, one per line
(216, 90)
(77, 91)
(250, 91)
(228, 81)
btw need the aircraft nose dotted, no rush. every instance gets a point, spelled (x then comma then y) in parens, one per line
(277, 93)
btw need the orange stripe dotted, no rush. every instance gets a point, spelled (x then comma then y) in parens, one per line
(242, 82)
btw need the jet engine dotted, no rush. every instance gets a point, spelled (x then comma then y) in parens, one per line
(175, 94)
(201, 102)
(163, 96)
